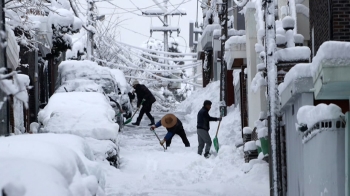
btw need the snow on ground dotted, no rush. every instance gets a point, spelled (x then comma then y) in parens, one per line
(147, 170)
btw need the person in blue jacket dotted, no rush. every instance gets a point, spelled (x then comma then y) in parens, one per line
(203, 119)
(174, 126)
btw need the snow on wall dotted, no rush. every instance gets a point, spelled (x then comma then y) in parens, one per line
(301, 70)
(235, 40)
(293, 54)
(257, 82)
(310, 115)
(335, 51)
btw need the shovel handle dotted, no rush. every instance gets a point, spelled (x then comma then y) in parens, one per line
(221, 115)
(157, 137)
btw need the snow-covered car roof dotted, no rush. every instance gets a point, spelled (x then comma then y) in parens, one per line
(87, 114)
(70, 70)
(79, 85)
(120, 78)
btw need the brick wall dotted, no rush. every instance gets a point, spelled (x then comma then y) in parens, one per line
(341, 20)
(330, 20)
(319, 20)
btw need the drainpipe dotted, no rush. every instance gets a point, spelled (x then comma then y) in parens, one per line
(330, 22)
(347, 151)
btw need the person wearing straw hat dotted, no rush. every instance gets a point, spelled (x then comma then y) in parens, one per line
(203, 119)
(174, 126)
(143, 93)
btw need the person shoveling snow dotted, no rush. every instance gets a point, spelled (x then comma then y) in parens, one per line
(174, 126)
(143, 93)
(203, 127)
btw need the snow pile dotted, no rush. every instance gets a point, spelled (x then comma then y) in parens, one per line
(120, 78)
(257, 82)
(298, 38)
(47, 165)
(293, 54)
(16, 86)
(87, 114)
(310, 115)
(247, 130)
(288, 23)
(280, 39)
(250, 146)
(301, 70)
(336, 53)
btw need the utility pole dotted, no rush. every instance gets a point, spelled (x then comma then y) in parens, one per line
(166, 47)
(90, 34)
(4, 105)
(223, 76)
(165, 28)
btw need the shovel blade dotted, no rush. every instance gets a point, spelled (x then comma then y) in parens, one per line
(128, 121)
(216, 144)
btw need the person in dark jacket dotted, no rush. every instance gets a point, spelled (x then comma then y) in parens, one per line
(203, 127)
(174, 126)
(143, 93)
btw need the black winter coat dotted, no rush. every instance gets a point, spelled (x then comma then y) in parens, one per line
(144, 93)
(203, 119)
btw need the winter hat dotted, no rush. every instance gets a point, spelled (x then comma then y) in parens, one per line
(169, 120)
(207, 102)
(135, 82)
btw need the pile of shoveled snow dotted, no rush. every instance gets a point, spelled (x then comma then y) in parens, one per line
(49, 164)
(180, 171)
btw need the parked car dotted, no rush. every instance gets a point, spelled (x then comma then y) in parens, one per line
(73, 76)
(86, 114)
(49, 164)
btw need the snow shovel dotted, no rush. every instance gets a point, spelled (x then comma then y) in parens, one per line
(157, 137)
(130, 119)
(215, 140)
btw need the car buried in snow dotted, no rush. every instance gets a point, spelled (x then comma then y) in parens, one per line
(86, 114)
(86, 76)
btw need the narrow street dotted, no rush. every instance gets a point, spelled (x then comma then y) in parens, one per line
(147, 170)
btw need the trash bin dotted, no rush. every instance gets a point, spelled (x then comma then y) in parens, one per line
(265, 143)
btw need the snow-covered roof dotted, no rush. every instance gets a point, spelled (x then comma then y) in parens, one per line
(310, 115)
(87, 114)
(293, 54)
(235, 40)
(336, 53)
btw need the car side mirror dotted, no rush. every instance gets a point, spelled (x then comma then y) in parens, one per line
(112, 104)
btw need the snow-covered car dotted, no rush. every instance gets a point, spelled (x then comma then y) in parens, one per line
(72, 76)
(49, 164)
(86, 114)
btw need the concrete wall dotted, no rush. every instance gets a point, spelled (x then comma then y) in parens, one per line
(324, 163)
(317, 166)
(294, 146)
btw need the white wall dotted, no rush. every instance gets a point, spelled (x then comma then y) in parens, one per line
(254, 99)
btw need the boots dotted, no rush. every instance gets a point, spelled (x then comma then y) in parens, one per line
(137, 123)
(152, 122)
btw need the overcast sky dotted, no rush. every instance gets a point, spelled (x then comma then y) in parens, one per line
(136, 28)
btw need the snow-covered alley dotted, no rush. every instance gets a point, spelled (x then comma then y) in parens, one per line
(147, 170)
